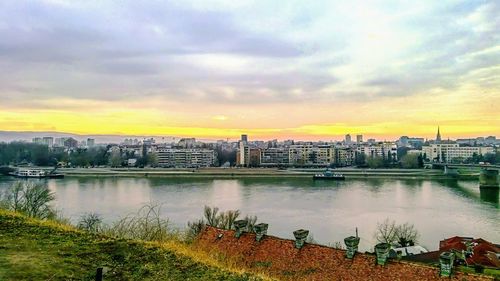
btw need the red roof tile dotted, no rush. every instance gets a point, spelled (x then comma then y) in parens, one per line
(278, 257)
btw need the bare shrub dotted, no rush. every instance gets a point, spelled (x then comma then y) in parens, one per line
(90, 222)
(29, 198)
(212, 217)
(389, 232)
(146, 225)
(407, 235)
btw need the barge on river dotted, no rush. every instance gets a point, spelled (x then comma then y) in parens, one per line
(329, 175)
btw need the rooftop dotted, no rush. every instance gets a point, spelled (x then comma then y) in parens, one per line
(279, 257)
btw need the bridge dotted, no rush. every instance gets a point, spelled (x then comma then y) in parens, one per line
(488, 177)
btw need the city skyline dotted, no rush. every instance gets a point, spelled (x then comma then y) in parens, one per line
(107, 138)
(216, 69)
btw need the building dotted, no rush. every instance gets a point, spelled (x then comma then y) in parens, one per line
(48, 141)
(311, 154)
(185, 158)
(37, 140)
(438, 136)
(467, 250)
(406, 141)
(381, 149)
(242, 154)
(490, 140)
(59, 142)
(347, 139)
(244, 138)
(359, 139)
(274, 156)
(254, 154)
(70, 143)
(90, 142)
(453, 152)
(344, 156)
(187, 143)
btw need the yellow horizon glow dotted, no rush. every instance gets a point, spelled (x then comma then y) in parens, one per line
(460, 113)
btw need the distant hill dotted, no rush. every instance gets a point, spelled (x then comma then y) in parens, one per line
(8, 136)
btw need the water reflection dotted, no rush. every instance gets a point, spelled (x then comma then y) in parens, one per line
(329, 209)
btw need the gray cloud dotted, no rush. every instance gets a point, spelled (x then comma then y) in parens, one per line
(112, 51)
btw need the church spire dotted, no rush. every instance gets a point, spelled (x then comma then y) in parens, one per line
(438, 136)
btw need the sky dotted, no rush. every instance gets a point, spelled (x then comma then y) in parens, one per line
(272, 69)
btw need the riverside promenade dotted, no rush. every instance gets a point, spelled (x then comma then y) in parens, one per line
(354, 173)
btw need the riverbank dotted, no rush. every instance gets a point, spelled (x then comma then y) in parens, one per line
(32, 249)
(224, 173)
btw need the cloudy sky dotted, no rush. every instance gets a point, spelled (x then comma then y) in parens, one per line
(272, 69)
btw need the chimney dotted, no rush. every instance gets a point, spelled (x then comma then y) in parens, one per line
(300, 237)
(240, 226)
(351, 243)
(260, 230)
(446, 260)
(382, 252)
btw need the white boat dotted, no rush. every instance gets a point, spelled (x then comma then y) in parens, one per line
(29, 173)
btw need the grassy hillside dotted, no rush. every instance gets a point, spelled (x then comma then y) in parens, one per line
(31, 249)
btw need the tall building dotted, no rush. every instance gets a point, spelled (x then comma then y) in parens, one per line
(60, 141)
(244, 138)
(438, 136)
(48, 141)
(359, 139)
(348, 139)
(90, 142)
(70, 143)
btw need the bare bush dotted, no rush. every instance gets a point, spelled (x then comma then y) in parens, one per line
(406, 235)
(194, 229)
(146, 225)
(29, 198)
(389, 232)
(90, 222)
(213, 217)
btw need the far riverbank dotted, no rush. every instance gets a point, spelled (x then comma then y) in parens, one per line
(222, 173)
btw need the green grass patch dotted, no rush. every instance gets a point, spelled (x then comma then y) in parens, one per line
(487, 271)
(31, 249)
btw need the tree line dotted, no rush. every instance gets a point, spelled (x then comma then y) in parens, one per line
(18, 153)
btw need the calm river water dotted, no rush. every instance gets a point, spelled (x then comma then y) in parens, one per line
(330, 210)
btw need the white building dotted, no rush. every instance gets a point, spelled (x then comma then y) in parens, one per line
(447, 152)
(185, 158)
(383, 149)
(311, 154)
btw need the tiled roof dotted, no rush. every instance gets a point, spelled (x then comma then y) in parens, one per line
(279, 257)
(481, 251)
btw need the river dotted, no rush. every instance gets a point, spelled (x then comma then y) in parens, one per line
(330, 210)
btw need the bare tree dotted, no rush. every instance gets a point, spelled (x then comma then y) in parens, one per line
(386, 232)
(389, 232)
(31, 199)
(406, 234)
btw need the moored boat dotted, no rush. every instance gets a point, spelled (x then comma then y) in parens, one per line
(328, 175)
(35, 173)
